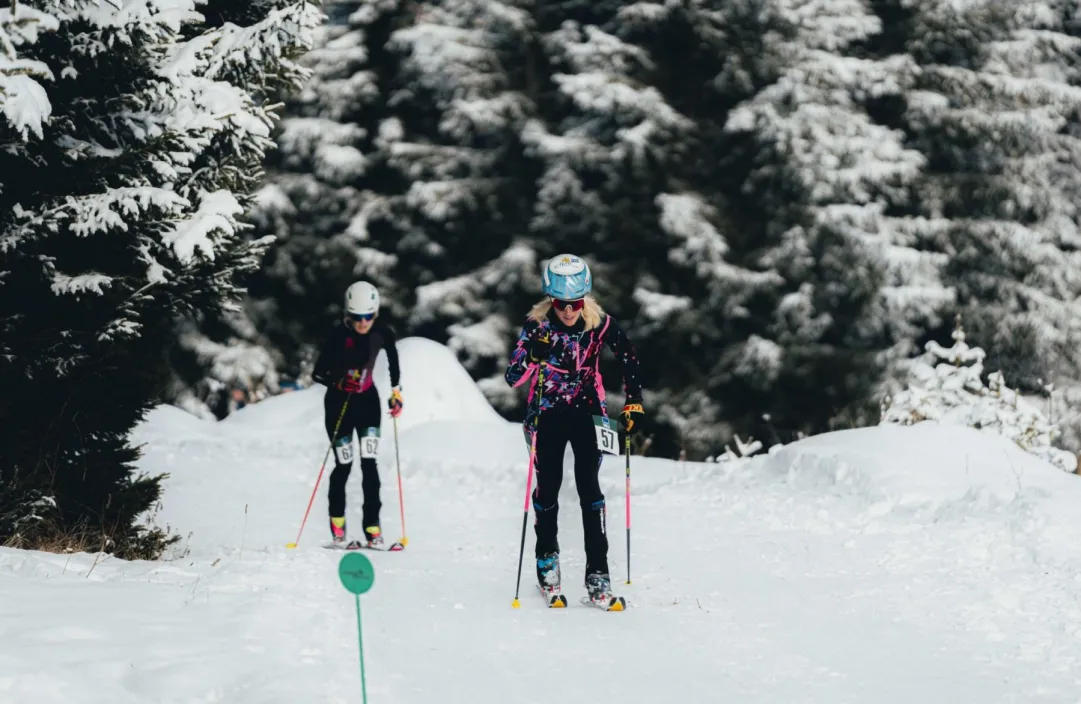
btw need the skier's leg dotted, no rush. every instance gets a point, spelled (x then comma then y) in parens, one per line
(587, 463)
(344, 452)
(551, 443)
(370, 417)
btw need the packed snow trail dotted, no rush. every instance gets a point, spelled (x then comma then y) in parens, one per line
(846, 568)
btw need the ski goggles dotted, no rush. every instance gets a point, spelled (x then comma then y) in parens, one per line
(360, 317)
(575, 305)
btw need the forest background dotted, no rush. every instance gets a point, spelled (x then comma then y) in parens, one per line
(782, 201)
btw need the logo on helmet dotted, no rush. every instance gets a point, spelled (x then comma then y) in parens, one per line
(567, 266)
(566, 276)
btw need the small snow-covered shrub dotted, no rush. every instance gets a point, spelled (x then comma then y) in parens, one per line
(947, 386)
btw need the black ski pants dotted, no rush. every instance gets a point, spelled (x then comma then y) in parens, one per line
(362, 413)
(555, 429)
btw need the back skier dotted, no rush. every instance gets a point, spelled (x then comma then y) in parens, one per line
(345, 366)
(566, 332)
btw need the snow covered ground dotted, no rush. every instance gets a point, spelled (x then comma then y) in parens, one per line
(894, 564)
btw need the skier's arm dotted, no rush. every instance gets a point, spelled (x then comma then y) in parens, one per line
(391, 342)
(322, 372)
(622, 347)
(520, 363)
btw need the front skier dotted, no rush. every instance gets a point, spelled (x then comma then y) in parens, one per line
(565, 333)
(345, 366)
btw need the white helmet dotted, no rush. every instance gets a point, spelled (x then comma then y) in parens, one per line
(361, 300)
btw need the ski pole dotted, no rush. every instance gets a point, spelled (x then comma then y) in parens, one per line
(627, 446)
(321, 469)
(401, 501)
(529, 482)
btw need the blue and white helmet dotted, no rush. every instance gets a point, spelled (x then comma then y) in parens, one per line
(567, 277)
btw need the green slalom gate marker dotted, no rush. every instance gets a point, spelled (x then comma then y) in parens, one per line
(357, 575)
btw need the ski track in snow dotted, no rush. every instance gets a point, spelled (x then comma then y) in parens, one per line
(752, 582)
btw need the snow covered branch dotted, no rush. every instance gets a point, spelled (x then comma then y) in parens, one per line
(25, 102)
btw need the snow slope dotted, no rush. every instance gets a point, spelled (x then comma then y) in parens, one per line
(892, 564)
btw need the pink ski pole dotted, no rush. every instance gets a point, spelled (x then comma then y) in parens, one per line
(529, 482)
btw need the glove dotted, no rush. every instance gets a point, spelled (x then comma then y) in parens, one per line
(394, 403)
(350, 383)
(632, 415)
(540, 345)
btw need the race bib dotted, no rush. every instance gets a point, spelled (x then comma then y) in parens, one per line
(369, 444)
(343, 450)
(607, 437)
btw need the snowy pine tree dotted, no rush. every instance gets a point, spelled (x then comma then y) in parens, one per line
(764, 189)
(995, 110)
(606, 137)
(219, 351)
(611, 147)
(699, 284)
(327, 179)
(400, 163)
(946, 386)
(125, 214)
(820, 175)
(466, 185)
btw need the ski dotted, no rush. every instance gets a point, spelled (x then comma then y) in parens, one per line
(393, 547)
(358, 545)
(396, 547)
(341, 545)
(553, 601)
(615, 603)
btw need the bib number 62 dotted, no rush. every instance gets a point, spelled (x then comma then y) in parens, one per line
(369, 444)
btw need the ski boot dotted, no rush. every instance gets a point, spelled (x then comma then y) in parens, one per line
(548, 581)
(599, 588)
(337, 530)
(375, 537)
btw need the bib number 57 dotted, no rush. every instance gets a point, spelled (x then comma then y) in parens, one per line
(607, 437)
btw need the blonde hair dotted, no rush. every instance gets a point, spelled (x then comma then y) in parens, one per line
(591, 312)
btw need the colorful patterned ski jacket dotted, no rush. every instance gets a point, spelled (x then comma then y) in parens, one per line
(572, 375)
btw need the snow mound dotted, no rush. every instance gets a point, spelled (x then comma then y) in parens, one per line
(246, 479)
(932, 471)
(173, 420)
(292, 410)
(435, 387)
(924, 463)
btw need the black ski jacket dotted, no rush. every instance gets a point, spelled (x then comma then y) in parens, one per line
(344, 349)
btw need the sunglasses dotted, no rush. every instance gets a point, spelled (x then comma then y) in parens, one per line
(575, 305)
(360, 317)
